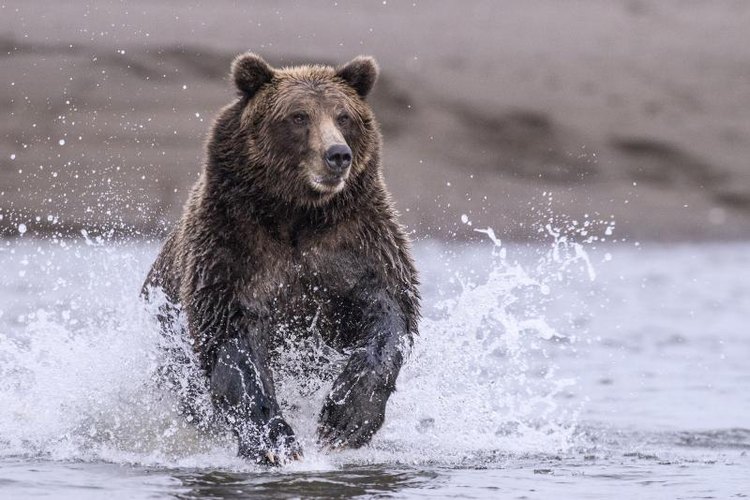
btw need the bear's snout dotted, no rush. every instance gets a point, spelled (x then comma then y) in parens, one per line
(338, 158)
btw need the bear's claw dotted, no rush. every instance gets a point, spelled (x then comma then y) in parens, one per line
(279, 457)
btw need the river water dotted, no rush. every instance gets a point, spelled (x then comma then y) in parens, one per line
(552, 370)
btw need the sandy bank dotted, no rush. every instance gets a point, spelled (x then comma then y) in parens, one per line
(619, 109)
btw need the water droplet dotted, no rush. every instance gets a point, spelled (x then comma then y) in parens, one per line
(22, 228)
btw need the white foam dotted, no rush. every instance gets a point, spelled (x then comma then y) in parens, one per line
(78, 366)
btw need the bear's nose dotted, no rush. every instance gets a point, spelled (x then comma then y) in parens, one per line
(338, 158)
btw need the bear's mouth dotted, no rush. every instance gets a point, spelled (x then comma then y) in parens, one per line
(328, 183)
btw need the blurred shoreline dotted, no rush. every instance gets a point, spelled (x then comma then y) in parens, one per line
(513, 114)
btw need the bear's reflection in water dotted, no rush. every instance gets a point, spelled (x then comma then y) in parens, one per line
(347, 483)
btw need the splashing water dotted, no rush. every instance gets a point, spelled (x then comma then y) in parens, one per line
(80, 354)
(77, 378)
(480, 380)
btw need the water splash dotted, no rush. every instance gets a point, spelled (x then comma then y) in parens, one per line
(80, 360)
(482, 379)
(78, 374)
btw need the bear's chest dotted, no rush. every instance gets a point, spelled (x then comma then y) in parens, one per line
(313, 289)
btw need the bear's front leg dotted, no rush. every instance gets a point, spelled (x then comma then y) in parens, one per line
(232, 343)
(355, 409)
(242, 388)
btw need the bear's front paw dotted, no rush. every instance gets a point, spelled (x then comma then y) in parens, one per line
(275, 444)
(352, 413)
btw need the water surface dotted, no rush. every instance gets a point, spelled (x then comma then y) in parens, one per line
(548, 370)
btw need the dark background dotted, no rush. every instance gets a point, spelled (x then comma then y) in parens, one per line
(508, 112)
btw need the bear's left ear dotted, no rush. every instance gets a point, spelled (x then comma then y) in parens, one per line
(250, 72)
(360, 73)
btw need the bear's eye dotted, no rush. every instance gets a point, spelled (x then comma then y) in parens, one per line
(343, 119)
(299, 118)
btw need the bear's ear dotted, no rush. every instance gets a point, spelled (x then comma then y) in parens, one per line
(250, 72)
(361, 73)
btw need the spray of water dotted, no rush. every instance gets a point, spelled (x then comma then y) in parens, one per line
(81, 365)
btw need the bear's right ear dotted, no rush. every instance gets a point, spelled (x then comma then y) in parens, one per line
(250, 72)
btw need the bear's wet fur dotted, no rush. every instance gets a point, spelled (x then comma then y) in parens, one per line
(289, 223)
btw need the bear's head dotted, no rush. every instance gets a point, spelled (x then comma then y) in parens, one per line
(306, 132)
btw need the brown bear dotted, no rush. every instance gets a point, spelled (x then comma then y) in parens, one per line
(290, 222)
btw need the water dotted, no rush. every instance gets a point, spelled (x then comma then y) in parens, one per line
(549, 370)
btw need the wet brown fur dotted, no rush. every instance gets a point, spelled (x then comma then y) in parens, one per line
(258, 246)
